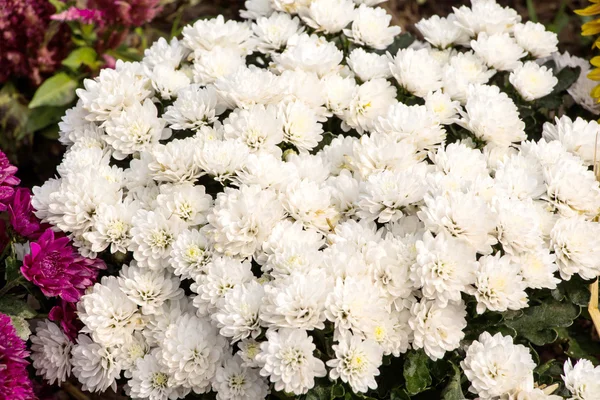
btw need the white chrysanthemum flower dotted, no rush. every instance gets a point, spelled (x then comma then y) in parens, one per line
(221, 159)
(249, 85)
(190, 253)
(445, 267)
(576, 243)
(356, 362)
(499, 51)
(94, 365)
(520, 176)
(248, 350)
(164, 53)
(354, 305)
(338, 92)
(211, 65)
(438, 328)
(301, 125)
(187, 202)
(462, 70)
(416, 71)
(153, 233)
(222, 275)
(206, 34)
(191, 352)
(237, 315)
(386, 196)
(114, 90)
(538, 267)
(328, 16)
(256, 9)
(234, 381)
(149, 288)
(486, 16)
(442, 106)
(412, 124)
(392, 333)
(274, 31)
(582, 379)
(194, 108)
(571, 187)
(492, 116)
(532, 81)
(175, 161)
(167, 81)
(108, 314)
(128, 353)
(442, 32)
(519, 227)
(258, 127)
(73, 123)
(499, 285)
(297, 301)
(157, 324)
(371, 27)
(310, 53)
(290, 248)
(387, 269)
(495, 365)
(51, 352)
(265, 170)
(243, 218)
(112, 227)
(533, 394)
(368, 65)
(533, 37)
(311, 204)
(287, 359)
(465, 216)
(578, 136)
(370, 101)
(151, 381)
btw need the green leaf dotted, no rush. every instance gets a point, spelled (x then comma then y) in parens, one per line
(43, 117)
(566, 77)
(58, 90)
(15, 307)
(12, 266)
(537, 322)
(577, 290)
(399, 394)
(416, 372)
(580, 344)
(21, 326)
(82, 56)
(453, 391)
(400, 42)
(59, 5)
(13, 119)
(337, 391)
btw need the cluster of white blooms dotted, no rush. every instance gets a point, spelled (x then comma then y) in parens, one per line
(271, 179)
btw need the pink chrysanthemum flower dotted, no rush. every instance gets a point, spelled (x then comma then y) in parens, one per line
(65, 314)
(14, 381)
(127, 13)
(7, 181)
(57, 269)
(22, 219)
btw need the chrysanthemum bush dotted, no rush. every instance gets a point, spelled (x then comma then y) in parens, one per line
(309, 204)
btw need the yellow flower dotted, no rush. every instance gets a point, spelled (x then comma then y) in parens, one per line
(589, 29)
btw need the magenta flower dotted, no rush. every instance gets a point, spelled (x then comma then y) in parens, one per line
(14, 380)
(65, 314)
(22, 219)
(24, 50)
(7, 181)
(127, 13)
(86, 16)
(55, 267)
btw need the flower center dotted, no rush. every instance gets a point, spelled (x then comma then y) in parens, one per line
(51, 265)
(159, 380)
